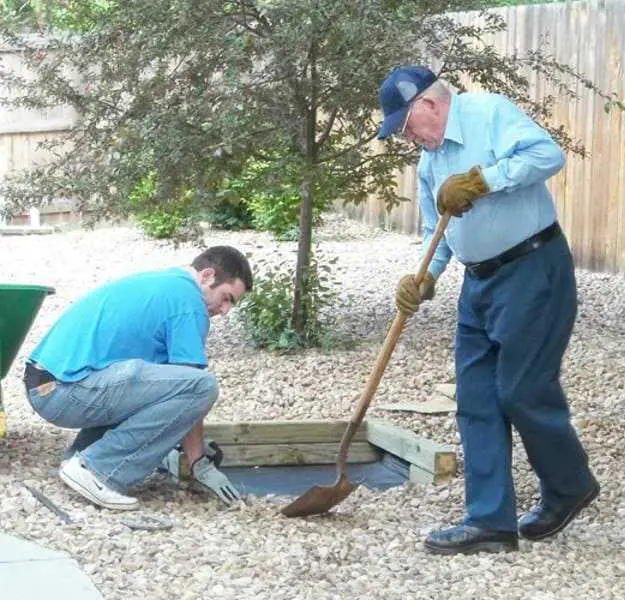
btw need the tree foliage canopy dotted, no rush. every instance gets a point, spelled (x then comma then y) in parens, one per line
(192, 90)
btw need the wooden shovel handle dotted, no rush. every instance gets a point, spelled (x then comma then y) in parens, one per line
(385, 353)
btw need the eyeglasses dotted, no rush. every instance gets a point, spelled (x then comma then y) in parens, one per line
(402, 133)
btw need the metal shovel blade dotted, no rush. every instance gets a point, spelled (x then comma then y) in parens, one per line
(320, 499)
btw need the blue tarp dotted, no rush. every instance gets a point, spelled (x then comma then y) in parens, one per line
(388, 472)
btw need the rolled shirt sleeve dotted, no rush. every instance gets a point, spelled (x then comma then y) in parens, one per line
(525, 153)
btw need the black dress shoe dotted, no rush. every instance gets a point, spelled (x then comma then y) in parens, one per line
(466, 539)
(544, 520)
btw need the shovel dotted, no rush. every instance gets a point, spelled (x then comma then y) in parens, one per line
(321, 498)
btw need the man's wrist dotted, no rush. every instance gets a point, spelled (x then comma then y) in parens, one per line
(492, 178)
(214, 453)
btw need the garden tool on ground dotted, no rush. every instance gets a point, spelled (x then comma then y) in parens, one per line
(319, 499)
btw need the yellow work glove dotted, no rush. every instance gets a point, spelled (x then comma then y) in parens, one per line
(457, 193)
(410, 295)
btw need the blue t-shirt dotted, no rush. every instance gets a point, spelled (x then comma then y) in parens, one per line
(159, 316)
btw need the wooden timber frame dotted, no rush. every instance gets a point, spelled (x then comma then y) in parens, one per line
(273, 443)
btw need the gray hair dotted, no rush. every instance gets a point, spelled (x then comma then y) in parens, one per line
(437, 90)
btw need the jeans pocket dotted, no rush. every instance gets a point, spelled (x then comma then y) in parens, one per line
(47, 402)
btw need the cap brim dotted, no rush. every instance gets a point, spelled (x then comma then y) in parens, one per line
(393, 123)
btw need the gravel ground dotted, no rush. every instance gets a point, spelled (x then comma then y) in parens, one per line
(371, 547)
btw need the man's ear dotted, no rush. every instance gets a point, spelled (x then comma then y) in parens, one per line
(206, 276)
(431, 104)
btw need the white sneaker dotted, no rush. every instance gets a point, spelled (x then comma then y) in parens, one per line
(83, 481)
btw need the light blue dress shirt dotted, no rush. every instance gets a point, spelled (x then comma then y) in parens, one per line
(516, 155)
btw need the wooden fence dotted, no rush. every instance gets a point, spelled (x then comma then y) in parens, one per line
(22, 130)
(590, 193)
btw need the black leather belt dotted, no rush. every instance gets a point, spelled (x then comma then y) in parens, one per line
(486, 268)
(34, 377)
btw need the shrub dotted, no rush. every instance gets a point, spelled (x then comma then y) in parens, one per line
(160, 221)
(266, 196)
(230, 214)
(265, 313)
(161, 224)
(277, 211)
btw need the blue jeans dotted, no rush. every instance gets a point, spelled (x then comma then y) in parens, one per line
(135, 411)
(513, 330)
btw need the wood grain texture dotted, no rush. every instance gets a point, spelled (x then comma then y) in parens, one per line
(427, 455)
(279, 432)
(259, 455)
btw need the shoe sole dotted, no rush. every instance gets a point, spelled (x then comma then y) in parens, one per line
(581, 506)
(77, 487)
(491, 547)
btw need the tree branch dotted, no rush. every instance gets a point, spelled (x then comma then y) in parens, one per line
(344, 151)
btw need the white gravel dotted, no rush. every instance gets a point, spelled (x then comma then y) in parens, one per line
(372, 546)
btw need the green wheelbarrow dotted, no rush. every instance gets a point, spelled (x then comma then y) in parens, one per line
(19, 305)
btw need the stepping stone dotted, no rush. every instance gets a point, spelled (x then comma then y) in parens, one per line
(30, 572)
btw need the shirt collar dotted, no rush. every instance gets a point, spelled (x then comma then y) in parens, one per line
(453, 132)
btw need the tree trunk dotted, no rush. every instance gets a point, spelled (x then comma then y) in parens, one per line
(300, 315)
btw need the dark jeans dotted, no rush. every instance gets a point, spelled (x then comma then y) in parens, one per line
(513, 329)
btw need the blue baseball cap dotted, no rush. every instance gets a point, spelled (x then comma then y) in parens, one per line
(397, 91)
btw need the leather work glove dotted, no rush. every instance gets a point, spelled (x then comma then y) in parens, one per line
(457, 193)
(409, 295)
(206, 473)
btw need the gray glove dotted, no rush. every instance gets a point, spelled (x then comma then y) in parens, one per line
(173, 463)
(205, 472)
(176, 463)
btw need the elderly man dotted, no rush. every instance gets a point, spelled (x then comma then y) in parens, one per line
(127, 365)
(486, 162)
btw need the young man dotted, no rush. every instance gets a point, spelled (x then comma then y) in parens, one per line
(486, 162)
(126, 364)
